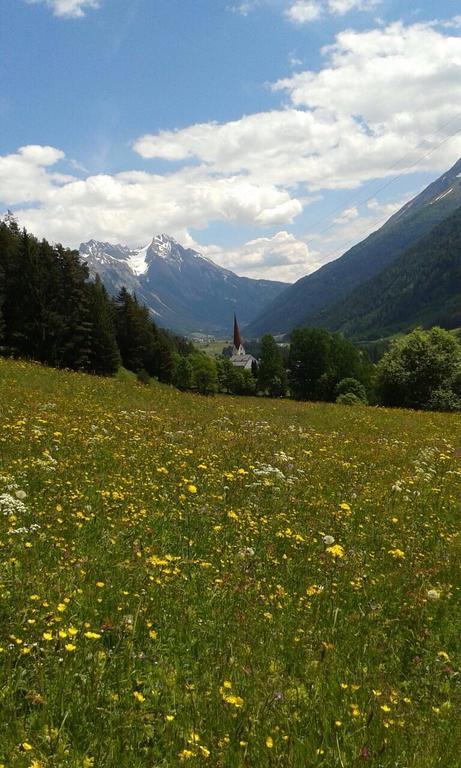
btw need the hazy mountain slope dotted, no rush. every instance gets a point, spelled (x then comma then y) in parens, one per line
(303, 302)
(422, 287)
(184, 290)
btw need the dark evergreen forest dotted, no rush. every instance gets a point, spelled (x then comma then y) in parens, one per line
(52, 313)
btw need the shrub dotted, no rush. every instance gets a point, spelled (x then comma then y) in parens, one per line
(444, 400)
(348, 398)
(143, 377)
(351, 386)
(417, 366)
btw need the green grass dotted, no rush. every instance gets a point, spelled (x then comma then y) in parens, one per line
(177, 604)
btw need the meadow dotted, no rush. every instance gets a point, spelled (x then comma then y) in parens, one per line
(224, 582)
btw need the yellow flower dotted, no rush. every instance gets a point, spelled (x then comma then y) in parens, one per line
(70, 647)
(236, 701)
(269, 742)
(26, 747)
(153, 634)
(35, 764)
(397, 554)
(92, 635)
(192, 488)
(138, 696)
(335, 551)
(47, 636)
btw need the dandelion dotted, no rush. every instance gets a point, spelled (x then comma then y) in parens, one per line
(397, 554)
(269, 742)
(336, 551)
(138, 696)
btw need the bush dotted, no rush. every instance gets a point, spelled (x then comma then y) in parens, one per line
(348, 398)
(143, 377)
(351, 386)
(444, 400)
(417, 366)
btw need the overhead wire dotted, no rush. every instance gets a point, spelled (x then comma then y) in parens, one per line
(345, 206)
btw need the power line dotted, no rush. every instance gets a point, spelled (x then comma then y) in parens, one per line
(356, 239)
(388, 183)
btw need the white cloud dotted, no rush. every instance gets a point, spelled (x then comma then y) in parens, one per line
(69, 8)
(381, 95)
(352, 226)
(304, 11)
(278, 257)
(132, 205)
(341, 7)
(337, 133)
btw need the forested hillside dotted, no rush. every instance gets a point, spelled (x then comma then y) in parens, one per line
(423, 287)
(305, 302)
(51, 312)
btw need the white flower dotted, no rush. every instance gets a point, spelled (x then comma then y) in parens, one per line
(433, 594)
(328, 540)
(21, 495)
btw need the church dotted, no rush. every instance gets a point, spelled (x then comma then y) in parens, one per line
(239, 358)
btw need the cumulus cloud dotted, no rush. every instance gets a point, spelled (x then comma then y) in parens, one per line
(132, 205)
(304, 11)
(334, 132)
(278, 257)
(68, 8)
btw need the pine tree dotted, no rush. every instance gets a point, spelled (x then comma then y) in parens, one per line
(104, 356)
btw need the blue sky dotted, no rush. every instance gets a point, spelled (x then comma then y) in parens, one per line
(265, 132)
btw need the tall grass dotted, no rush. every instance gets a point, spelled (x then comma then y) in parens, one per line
(224, 582)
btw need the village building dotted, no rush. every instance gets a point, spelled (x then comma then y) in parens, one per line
(239, 358)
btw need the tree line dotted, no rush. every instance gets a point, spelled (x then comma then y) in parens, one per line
(50, 311)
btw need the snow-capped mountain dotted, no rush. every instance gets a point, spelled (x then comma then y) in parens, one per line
(184, 290)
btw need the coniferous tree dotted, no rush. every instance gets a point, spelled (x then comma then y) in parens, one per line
(75, 343)
(104, 354)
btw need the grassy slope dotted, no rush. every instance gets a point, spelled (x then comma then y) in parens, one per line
(328, 661)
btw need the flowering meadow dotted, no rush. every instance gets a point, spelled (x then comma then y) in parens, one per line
(224, 582)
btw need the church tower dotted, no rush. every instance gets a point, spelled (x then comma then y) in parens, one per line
(238, 346)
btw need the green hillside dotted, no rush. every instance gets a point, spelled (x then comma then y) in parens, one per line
(224, 582)
(304, 303)
(422, 287)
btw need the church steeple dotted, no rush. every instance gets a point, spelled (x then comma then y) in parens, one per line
(238, 347)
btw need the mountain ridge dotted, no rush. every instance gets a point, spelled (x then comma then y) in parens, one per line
(305, 302)
(184, 290)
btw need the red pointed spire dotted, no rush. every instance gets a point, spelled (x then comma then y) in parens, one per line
(237, 337)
